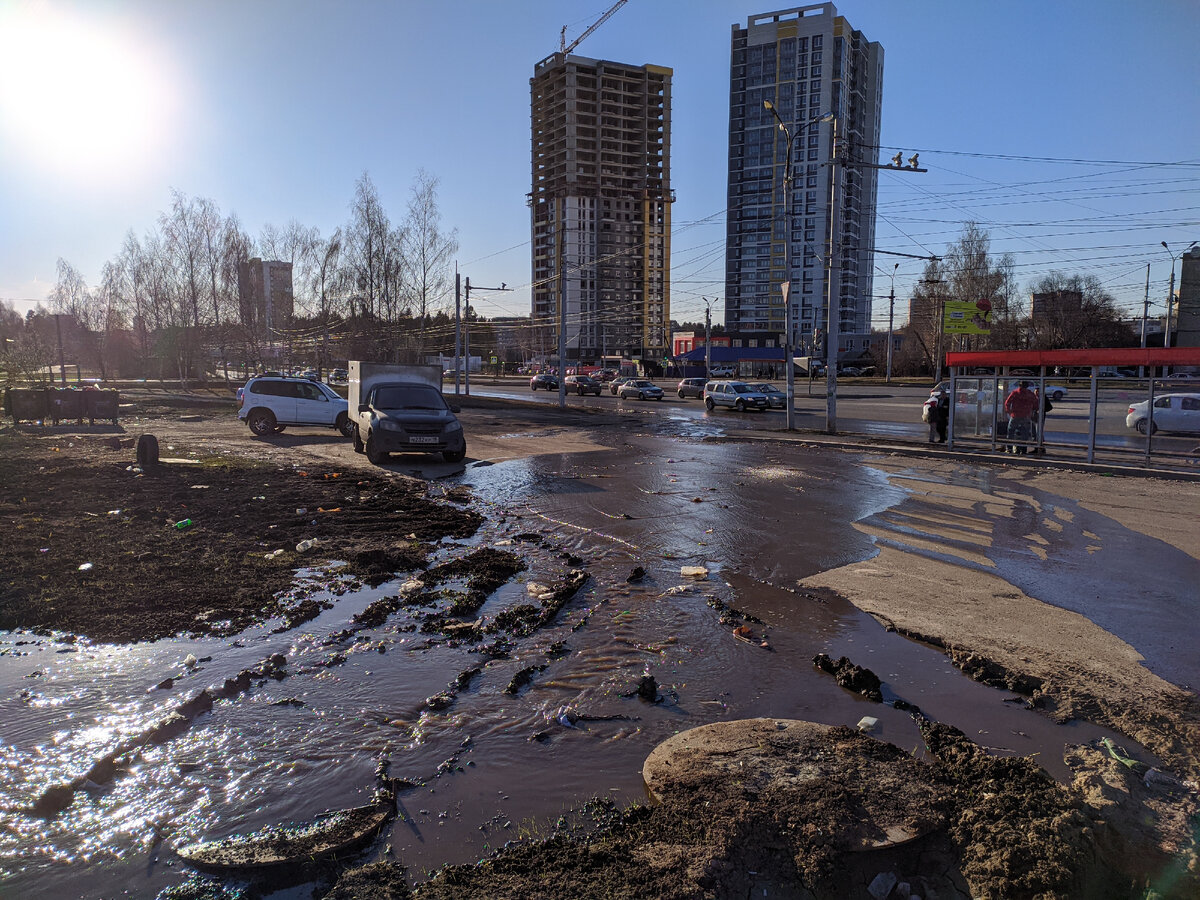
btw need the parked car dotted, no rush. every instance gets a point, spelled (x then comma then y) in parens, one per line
(1056, 392)
(1172, 412)
(582, 384)
(734, 394)
(615, 384)
(849, 371)
(272, 403)
(341, 376)
(606, 375)
(776, 399)
(640, 388)
(544, 382)
(690, 387)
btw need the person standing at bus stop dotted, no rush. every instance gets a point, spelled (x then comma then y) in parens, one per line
(1021, 405)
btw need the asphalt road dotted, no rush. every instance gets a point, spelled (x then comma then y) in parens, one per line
(874, 409)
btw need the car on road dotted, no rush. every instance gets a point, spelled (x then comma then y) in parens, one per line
(849, 371)
(582, 384)
(690, 387)
(272, 403)
(776, 399)
(734, 394)
(1172, 412)
(615, 384)
(543, 382)
(640, 388)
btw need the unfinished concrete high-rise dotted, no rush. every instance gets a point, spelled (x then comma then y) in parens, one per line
(265, 293)
(601, 206)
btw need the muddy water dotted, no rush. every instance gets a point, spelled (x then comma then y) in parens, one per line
(495, 765)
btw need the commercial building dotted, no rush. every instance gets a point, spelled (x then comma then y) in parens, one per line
(807, 62)
(265, 297)
(601, 206)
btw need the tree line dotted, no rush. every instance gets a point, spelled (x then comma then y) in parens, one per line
(167, 304)
(1082, 313)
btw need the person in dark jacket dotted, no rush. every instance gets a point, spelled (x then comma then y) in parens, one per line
(941, 415)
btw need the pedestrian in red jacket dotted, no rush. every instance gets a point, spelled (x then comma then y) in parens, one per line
(1021, 405)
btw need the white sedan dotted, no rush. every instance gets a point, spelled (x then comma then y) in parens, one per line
(1172, 412)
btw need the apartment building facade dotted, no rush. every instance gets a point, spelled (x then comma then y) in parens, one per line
(807, 61)
(601, 206)
(265, 297)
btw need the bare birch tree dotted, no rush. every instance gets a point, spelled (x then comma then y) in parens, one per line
(427, 252)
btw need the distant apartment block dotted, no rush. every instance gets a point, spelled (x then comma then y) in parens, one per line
(807, 62)
(265, 293)
(601, 205)
(1058, 305)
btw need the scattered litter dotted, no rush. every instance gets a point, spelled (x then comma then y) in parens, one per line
(693, 571)
(199, 487)
(274, 553)
(678, 589)
(114, 512)
(1157, 780)
(306, 544)
(867, 723)
(183, 523)
(504, 543)
(190, 661)
(537, 590)
(411, 587)
(1120, 755)
(301, 510)
(83, 567)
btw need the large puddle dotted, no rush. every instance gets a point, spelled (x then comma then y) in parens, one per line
(494, 765)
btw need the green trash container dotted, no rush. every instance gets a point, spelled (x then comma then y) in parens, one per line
(102, 405)
(65, 403)
(26, 405)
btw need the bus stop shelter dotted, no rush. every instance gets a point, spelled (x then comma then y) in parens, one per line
(980, 380)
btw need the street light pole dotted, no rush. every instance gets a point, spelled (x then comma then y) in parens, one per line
(789, 352)
(833, 311)
(891, 313)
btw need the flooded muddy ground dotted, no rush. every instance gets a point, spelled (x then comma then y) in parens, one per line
(503, 645)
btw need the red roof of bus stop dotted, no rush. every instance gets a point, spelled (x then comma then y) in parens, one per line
(1093, 356)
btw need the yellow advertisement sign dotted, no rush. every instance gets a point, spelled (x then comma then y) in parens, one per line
(967, 317)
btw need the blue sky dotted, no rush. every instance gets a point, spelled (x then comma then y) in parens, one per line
(273, 108)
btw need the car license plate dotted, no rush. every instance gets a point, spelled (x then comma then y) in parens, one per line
(422, 439)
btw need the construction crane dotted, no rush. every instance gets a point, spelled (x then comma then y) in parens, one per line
(564, 47)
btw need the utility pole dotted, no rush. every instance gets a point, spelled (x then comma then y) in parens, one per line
(467, 328)
(1171, 295)
(832, 312)
(707, 337)
(891, 313)
(457, 328)
(1145, 317)
(62, 364)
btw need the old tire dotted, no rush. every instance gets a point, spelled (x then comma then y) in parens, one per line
(345, 426)
(261, 422)
(147, 451)
(708, 404)
(454, 456)
(374, 455)
(359, 446)
(1142, 424)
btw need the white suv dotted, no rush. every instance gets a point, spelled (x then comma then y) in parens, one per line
(271, 403)
(735, 394)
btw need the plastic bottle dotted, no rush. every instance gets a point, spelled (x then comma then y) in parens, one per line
(183, 523)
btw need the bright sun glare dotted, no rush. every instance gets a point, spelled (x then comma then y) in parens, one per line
(81, 101)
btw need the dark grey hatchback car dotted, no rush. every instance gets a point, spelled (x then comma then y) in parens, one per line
(690, 387)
